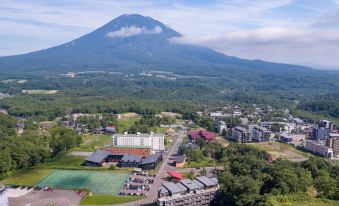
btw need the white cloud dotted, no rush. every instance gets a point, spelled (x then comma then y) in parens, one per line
(286, 45)
(133, 31)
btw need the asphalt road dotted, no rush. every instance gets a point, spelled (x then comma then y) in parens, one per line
(162, 173)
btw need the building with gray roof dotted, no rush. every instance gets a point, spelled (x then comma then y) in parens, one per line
(198, 192)
(130, 161)
(97, 158)
(151, 162)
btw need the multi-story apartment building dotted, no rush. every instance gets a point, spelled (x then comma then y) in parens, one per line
(326, 124)
(202, 191)
(259, 134)
(319, 147)
(333, 142)
(320, 133)
(241, 135)
(153, 140)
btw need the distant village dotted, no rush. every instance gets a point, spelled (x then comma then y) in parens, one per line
(321, 138)
(145, 153)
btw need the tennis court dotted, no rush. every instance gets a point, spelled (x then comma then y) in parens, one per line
(94, 181)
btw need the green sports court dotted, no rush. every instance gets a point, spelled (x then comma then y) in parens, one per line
(94, 181)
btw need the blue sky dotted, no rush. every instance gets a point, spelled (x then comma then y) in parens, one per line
(289, 31)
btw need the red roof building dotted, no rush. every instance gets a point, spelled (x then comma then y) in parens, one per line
(197, 134)
(208, 136)
(110, 128)
(194, 135)
(175, 175)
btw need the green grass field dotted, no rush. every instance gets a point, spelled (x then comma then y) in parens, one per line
(124, 124)
(28, 177)
(300, 200)
(108, 199)
(65, 160)
(94, 181)
(94, 142)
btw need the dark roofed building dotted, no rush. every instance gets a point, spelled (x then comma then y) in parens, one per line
(130, 161)
(207, 182)
(179, 161)
(97, 158)
(151, 162)
(199, 192)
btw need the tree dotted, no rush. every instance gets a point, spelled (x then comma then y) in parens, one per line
(203, 172)
(191, 175)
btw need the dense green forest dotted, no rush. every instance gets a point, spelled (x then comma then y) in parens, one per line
(115, 93)
(31, 148)
(249, 179)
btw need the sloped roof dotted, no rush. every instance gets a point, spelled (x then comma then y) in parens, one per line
(175, 174)
(206, 181)
(98, 156)
(131, 158)
(152, 158)
(189, 184)
(172, 188)
(179, 159)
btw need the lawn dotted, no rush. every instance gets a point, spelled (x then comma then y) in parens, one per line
(27, 177)
(123, 125)
(94, 142)
(108, 199)
(202, 163)
(300, 200)
(281, 150)
(65, 161)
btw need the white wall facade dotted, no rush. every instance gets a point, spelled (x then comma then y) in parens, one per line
(153, 140)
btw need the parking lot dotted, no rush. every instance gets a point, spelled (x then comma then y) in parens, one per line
(23, 196)
(137, 184)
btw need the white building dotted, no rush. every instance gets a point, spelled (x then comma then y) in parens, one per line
(3, 196)
(153, 140)
(221, 126)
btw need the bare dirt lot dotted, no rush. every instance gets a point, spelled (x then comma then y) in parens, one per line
(280, 150)
(43, 198)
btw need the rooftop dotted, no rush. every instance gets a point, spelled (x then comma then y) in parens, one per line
(98, 156)
(175, 174)
(130, 146)
(131, 158)
(190, 184)
(152, 158)
(179, 159)
(172, 188)
(206, 181)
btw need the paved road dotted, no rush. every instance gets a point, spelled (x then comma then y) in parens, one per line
(162, 173)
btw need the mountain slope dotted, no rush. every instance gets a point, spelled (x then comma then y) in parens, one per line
(133, 43)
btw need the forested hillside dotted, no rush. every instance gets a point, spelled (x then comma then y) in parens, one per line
(249, 179)
(30, 148)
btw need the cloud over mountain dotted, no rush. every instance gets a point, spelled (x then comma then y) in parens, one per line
(133, 31)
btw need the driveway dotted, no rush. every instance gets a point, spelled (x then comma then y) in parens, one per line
(162, 173)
